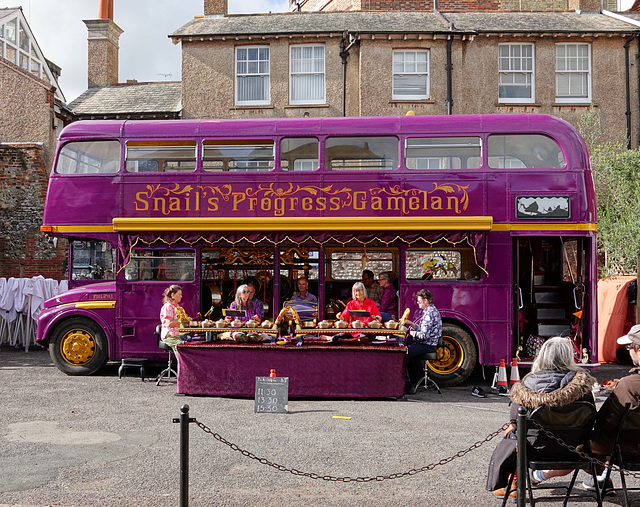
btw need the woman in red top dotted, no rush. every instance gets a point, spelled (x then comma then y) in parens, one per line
(362, 303)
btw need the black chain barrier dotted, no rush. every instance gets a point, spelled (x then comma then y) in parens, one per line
(312, 475)
(582, 454)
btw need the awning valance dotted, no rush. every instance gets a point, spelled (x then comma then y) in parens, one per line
(475, 239)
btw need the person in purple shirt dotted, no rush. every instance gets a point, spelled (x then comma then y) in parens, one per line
(243, 302)
(258, 306)
(389, 301)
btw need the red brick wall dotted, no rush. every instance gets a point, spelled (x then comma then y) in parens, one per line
(24, 251)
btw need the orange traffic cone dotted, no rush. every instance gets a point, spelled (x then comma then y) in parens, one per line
(515, 374)
(502, 378)
(272, 373)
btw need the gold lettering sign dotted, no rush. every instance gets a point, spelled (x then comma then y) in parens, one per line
(295, 200)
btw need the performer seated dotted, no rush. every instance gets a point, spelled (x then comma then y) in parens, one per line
(171, 314)
(389, 303)
(360, 302)
(303, 293)
(243, 302)
(258, 306)
(305, 303)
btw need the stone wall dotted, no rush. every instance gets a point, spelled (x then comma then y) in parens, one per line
(24, 251)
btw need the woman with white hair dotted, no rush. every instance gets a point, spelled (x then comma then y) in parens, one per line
(359, 303)
(555, 380)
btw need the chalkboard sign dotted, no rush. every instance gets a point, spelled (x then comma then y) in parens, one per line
(272, 395)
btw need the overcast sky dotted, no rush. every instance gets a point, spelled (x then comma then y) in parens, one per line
(146, 53)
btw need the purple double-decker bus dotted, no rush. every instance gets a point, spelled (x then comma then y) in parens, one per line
(494, 214)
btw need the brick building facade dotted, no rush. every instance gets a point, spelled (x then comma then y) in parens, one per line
(463, 54)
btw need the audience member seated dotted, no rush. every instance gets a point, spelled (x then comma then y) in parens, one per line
(624, 397)
(555, 381)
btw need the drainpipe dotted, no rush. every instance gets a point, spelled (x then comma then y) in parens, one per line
(628, 88)
(344, 53)
(638, 69)
(449, 69)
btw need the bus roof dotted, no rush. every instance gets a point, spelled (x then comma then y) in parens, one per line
(494, 123)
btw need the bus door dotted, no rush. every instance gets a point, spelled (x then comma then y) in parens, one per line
(141, 285)
(550, 299)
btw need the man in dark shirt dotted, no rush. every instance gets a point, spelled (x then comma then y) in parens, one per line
(624, 397)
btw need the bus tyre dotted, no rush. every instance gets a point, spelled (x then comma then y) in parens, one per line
(456, 358)
(78, 346)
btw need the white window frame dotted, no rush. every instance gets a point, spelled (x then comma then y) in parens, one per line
(427, 75)
(264, 75)
(303, 73)
(516, 65)
(574, 61)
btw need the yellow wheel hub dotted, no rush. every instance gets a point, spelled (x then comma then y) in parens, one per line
(450, 357)
(78, 347)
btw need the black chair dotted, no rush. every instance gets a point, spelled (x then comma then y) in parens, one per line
(424, 359)
(626, 450)
(132, 362)
(572, 425)
(168, 371)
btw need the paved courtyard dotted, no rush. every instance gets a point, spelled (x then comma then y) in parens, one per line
(97, 441)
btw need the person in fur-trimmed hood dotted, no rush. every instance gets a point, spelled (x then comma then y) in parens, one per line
(555, 381)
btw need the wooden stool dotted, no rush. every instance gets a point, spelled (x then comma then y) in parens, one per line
(132, 363)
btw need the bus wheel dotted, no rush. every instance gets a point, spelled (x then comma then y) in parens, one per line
(456, 358)
(78, 346)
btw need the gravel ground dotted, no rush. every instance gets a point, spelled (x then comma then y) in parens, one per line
(97, 441)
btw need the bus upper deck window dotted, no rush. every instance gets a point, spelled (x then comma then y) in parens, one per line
(299, 154)
(238, 155)
(525, 151)
(443, 152)
(161, 156)
(89, 157)
(361, 153)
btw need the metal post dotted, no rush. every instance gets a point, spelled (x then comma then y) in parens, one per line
(184, 454)
(521, 456)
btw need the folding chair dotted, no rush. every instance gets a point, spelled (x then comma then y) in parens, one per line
(626, 450)
(570, 424)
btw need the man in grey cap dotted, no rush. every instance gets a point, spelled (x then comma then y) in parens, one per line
(624, 397)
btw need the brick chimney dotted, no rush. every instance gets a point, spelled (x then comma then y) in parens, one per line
(103, 38)
(585, 5)
(213, 7)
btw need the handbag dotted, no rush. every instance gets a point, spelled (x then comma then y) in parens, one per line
(502, 463)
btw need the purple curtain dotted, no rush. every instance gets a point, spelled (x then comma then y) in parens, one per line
(476, 240)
